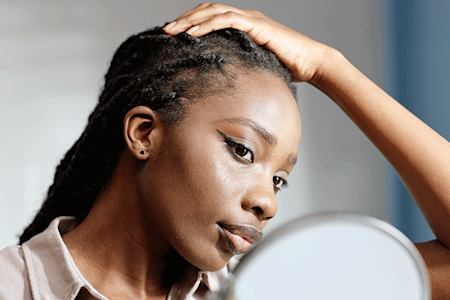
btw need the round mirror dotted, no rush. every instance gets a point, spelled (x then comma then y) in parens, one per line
(331, 256)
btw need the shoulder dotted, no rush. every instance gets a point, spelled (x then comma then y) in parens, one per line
(437, 259)
(13, 274)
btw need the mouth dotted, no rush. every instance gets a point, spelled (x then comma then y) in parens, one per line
(240, 238)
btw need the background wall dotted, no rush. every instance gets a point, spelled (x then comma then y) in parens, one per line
(420, 65)
(53, 57)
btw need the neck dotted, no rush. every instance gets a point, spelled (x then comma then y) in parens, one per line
(117, 251)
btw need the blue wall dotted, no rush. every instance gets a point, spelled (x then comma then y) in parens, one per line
(420, 69)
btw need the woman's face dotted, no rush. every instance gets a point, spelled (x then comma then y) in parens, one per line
(210, 187)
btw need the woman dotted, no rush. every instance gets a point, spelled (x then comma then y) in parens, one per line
(178, 168)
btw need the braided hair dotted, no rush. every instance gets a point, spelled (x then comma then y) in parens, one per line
(161, 72)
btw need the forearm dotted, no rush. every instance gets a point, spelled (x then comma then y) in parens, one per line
(420, 156)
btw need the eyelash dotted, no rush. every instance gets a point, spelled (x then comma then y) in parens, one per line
(282, 186)
(232, 143)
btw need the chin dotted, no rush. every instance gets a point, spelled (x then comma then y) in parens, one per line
(213, 264)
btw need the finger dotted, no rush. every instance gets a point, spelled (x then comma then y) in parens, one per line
(197, 16)
(233, 20)
(294, 78)
(229, 19)
(198, 7)
(212, 8)
(257, 30)
(169, 27)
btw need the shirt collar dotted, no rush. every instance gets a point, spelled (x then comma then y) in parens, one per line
(54, 275)
(50, 267)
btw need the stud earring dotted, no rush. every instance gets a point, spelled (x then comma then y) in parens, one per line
(142, 152)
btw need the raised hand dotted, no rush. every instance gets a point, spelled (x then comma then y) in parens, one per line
(419, 155)
(300, 54)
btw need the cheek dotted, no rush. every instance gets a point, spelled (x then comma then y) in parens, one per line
(212, 186)
(205, 189)
(195, 185)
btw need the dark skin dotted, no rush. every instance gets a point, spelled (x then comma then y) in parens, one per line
(420, 156)
(164, 206)
(149, 214)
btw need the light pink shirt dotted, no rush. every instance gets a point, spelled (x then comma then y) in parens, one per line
(42, 268)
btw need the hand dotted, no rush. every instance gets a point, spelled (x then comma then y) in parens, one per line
(300, 54)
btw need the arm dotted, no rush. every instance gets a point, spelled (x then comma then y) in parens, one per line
(420, 156)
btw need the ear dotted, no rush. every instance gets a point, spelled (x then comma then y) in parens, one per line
(142, 131)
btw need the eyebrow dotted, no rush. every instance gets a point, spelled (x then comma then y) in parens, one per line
(292, 160)
(261, 131)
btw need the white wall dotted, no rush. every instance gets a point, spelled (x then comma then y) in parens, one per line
(53, 57)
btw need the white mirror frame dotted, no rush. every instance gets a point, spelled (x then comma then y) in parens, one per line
(312, 221)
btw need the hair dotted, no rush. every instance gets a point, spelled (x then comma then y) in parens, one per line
(161, 72)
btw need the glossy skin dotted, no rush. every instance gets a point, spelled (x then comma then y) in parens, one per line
(188, 181)
(199, 180)
(162, 209)
(420, 156)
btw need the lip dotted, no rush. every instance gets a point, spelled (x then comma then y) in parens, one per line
(240, 238)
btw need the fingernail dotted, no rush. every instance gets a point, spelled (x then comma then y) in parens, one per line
(193, 29)
(168, 26)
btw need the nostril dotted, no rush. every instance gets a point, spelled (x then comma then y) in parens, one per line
(258, 210)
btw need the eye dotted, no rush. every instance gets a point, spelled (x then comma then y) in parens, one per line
(242, 151)
(279, 182)
(237, 149)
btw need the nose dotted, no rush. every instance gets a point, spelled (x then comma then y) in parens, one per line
(261, 202)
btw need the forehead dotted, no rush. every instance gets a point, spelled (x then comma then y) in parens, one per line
(262, 98)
